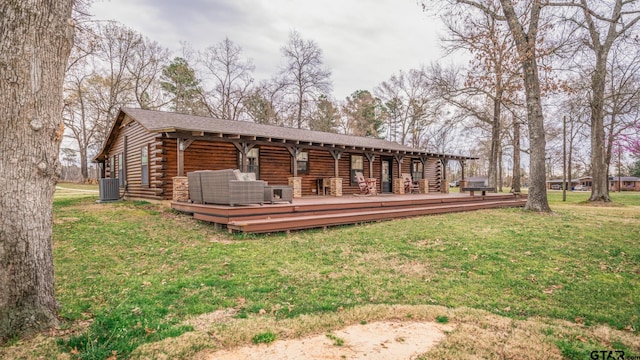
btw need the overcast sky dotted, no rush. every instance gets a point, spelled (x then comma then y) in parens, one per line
(363, 42)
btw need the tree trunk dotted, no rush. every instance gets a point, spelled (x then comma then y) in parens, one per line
(515, 184)
(495, 142)
(526, 45)
(35, 44)
(599, 164)
(537, 199)
(500, 175)
(84, 171)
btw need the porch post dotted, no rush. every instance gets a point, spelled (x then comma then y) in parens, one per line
(463, 181)
(336, 154)
(180, 157)
(424, 182)
(371, 157)
(182, 146)
(398, 182)
(243, 148)
(335, 184)
(445, 188)
(295, 182)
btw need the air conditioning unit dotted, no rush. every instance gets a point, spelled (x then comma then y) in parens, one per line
(109, 189)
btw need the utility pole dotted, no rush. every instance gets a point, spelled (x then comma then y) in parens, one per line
(564, 158)
(619, 167)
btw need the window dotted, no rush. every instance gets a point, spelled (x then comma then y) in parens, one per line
(112, 167)
(416, 170)
(144, 161)
(253, 161)
(302, 162)
(120, 170)
(357, 165)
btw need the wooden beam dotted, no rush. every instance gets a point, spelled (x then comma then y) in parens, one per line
(336, 154)
(294, 151)
(424, 159)
(399, 158)
(371, 157)
(243, 148)
(180, 145)
(186, 143)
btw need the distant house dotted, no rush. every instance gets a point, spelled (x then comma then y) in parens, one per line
(627, 183)
(624, 183)
(146, 149)
(580, 184)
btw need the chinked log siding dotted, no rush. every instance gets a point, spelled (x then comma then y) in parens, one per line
(137, 137)
(212, 150)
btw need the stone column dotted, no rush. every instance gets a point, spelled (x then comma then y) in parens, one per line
(335, 186)
(463, 184)
(181, 188)
(296, 184)
(445, 187)
(424, 186)
(398, 186)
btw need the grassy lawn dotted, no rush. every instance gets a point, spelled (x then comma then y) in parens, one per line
(133, 273)
(73, 190)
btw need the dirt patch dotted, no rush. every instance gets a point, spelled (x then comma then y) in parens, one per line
(379, 340)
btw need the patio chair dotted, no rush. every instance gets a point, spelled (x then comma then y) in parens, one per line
(365, 187)
(409, 185)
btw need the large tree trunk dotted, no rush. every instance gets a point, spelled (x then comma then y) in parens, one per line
(537, 199)
(36, 40)
(84, 170)
(515, 185)
(599, 163)
(526, 45)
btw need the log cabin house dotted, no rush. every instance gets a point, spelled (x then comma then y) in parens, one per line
(146, 149)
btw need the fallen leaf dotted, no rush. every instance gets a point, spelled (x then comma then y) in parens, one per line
(241, 301)
(507, 309)
(579, 320)
(581, 338)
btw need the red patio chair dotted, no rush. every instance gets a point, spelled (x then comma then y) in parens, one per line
(409, 185)
(364, 185)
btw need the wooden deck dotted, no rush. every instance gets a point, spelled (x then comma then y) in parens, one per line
(323, 211)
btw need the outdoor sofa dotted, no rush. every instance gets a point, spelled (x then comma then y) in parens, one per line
(225, 187)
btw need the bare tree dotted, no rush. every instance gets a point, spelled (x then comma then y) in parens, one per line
(305, 76)
(493, 74)
(526, 44)
(604, 24)
(37, 37)
(231, 77)
(410, 106)
(115, 51)
(265, 104)
(111, 66)
(145, 66)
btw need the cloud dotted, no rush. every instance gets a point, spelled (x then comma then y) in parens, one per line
(363, 42)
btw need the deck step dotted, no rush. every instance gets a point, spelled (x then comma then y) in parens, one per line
(305, 221)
